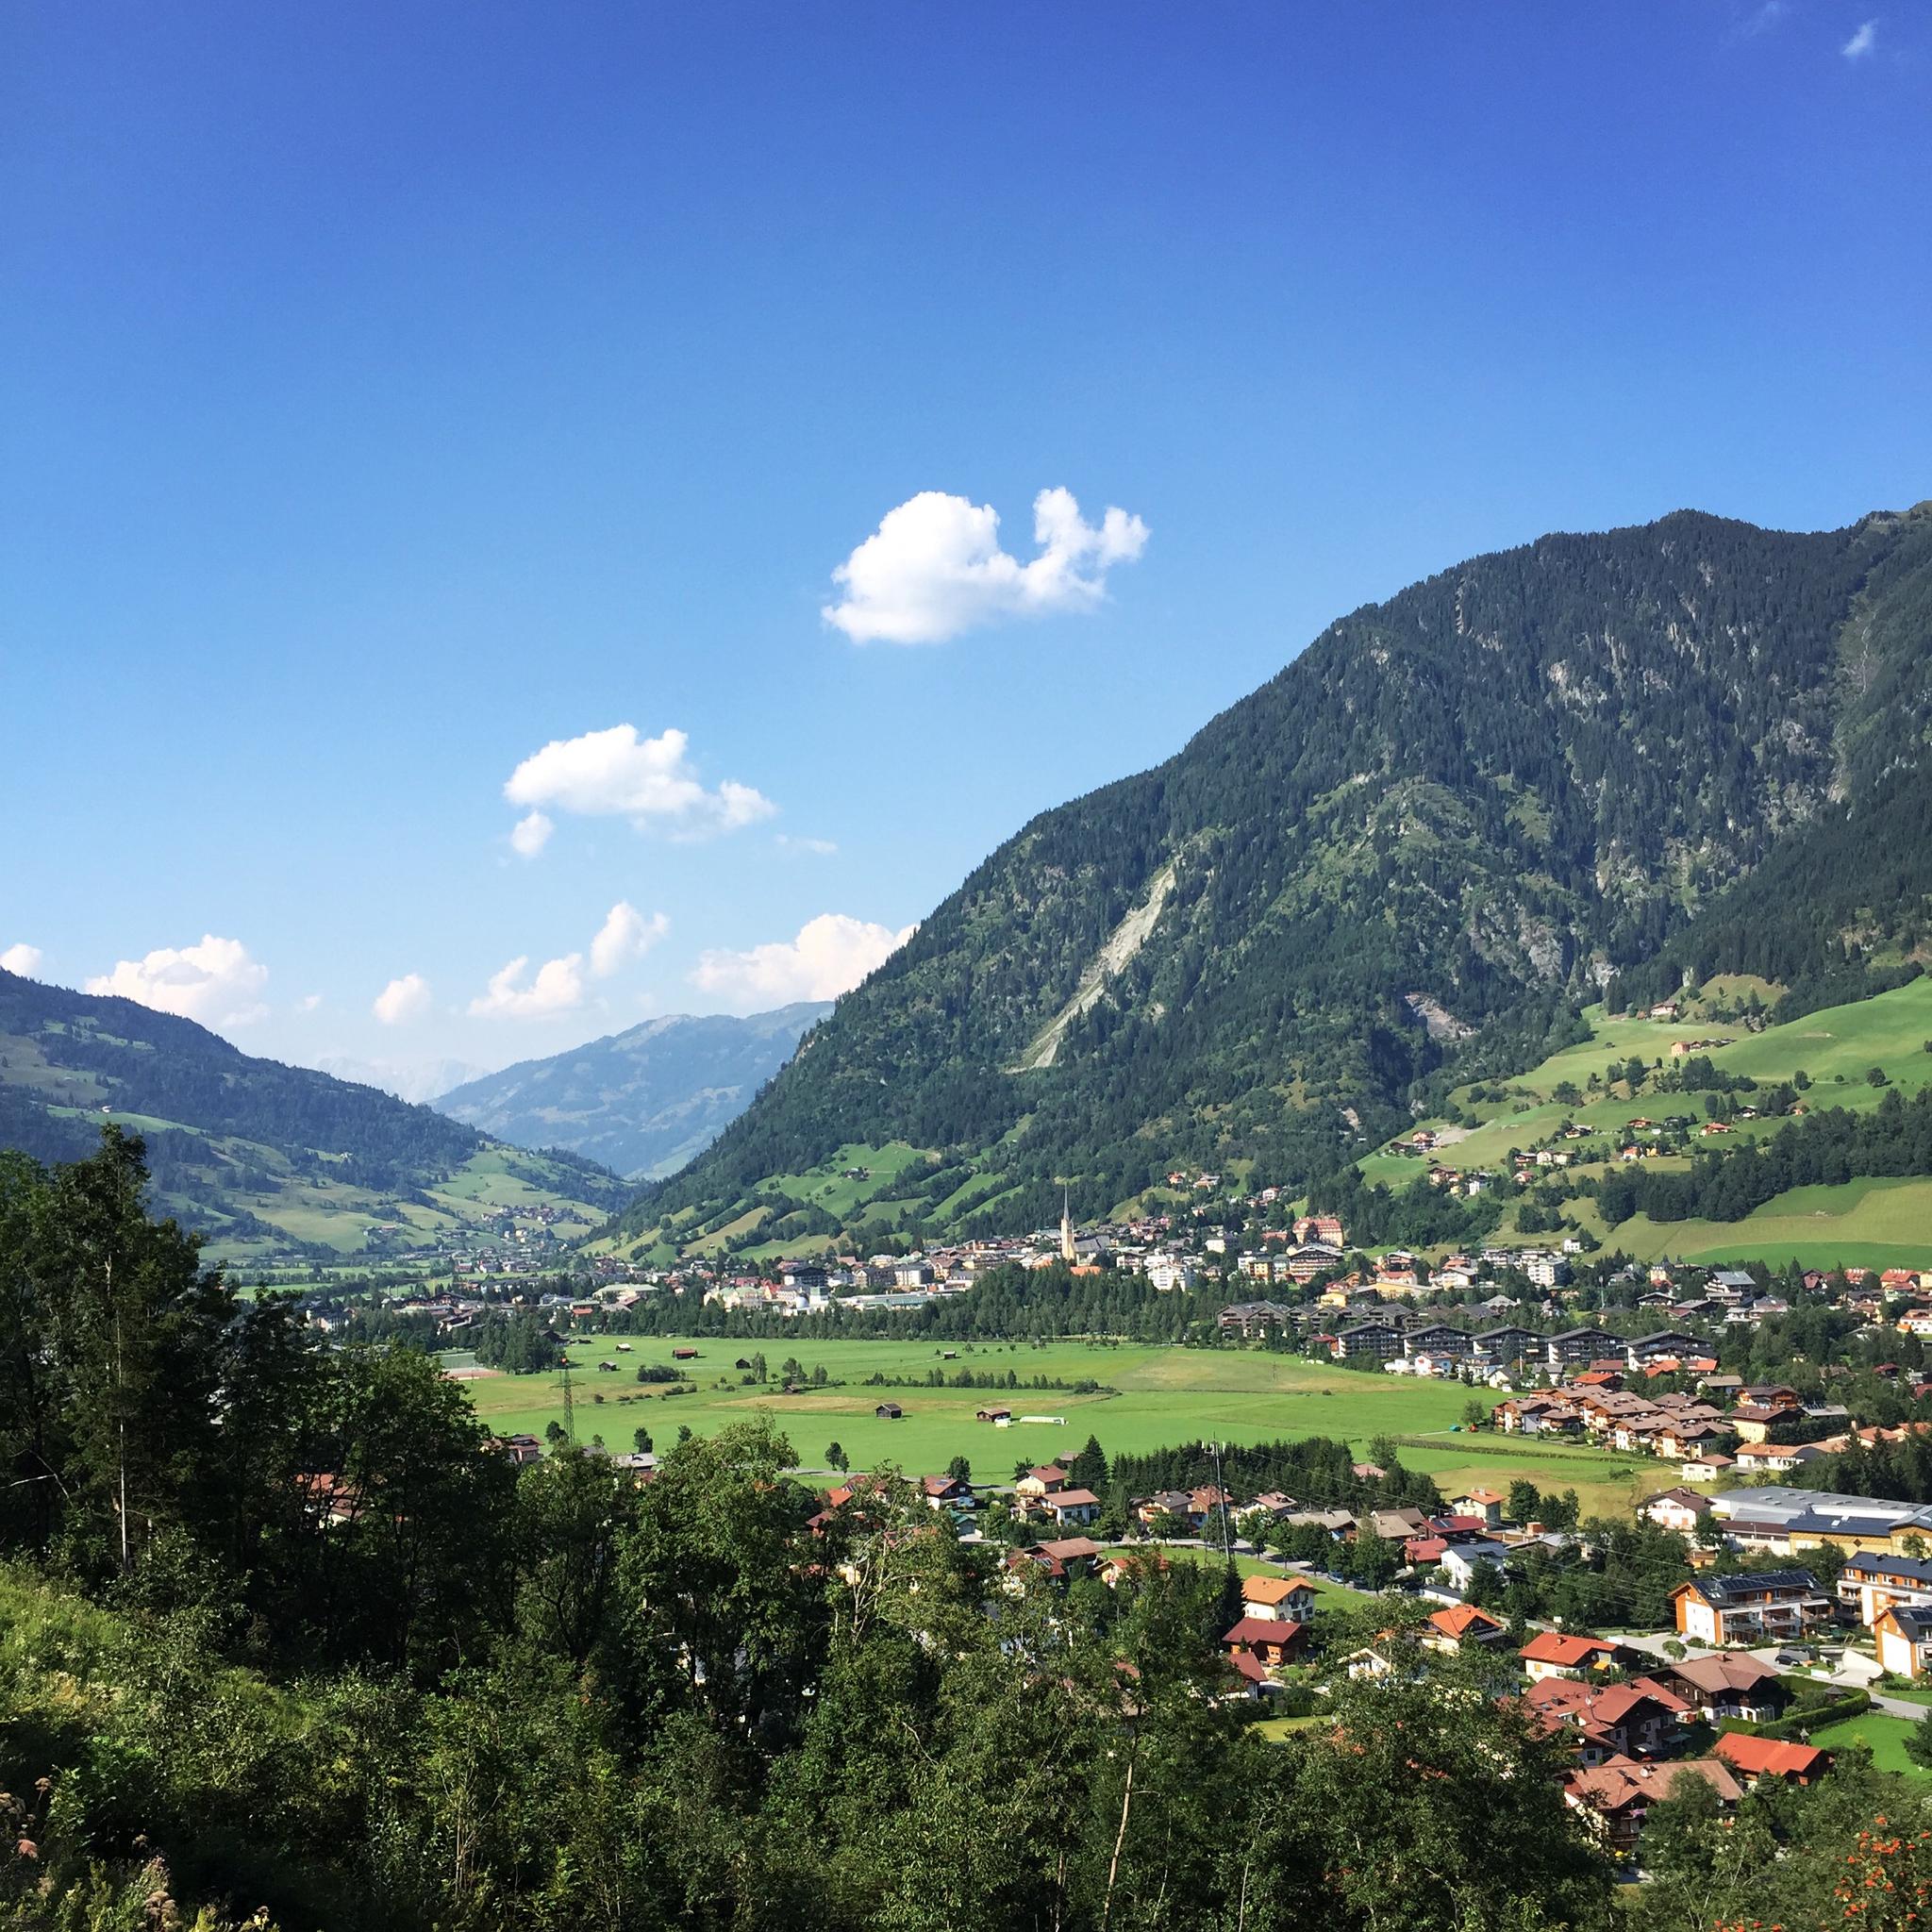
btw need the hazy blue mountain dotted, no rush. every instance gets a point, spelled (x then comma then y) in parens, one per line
(265, 1160)
(643, 1100)
(416, 1081)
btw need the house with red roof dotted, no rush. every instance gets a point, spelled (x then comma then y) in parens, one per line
(1462, 1625)
(1615, 1795)
(1573, 1654)
(1755, 1759)
(1269, 1640)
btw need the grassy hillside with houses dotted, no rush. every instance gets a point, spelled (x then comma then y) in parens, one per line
(1658, 1091)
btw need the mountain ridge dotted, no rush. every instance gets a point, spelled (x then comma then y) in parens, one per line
(268, 1159)
(643, 1100)
(1493, 792)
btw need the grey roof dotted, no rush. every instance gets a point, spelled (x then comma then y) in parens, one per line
(1913, 1569)
(1778, 1508)
(1721, 1589)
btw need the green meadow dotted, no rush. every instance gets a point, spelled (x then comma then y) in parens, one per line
(1161, 1396)
(1866, 1223)
(1884, 1736)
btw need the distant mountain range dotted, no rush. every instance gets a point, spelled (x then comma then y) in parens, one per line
(271, 1161)
(417, 1081)
(1538, 775)
(642, 1102)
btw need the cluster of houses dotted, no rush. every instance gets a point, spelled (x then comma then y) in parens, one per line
(1633, 1723)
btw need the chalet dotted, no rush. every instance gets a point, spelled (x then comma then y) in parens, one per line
(1632, 1719)
(945, 1493)
(1734, 1686)
(997, 1414)
(1338, 1524)
(1150, 1510)
(1773, 1606)
(1462, 1561)
(1437, 1339)
(1573, 1654)
(1462, 1625)
(1757, 1760)
(1041, 1481)
(1059, 1561)
(1396, 1526)
(1253, 1319)
(1678, 1509)
(1903, 1636)
(1665, 1342)
(1271, 1641)
(1070, 1505)
(1277, 1599)
(684, 1355)
(1486, 1506)
(1615, 1796)
(889, 1412)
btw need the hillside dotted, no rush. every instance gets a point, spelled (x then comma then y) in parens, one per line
(1479, 801)
(269, 1160)
(642, 1102)
(1745, 1084)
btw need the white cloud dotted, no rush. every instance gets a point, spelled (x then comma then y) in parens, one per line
(401, 1000)
(557, 988)
(934, 568)
(819, 848)
(615, 774)
(830, 956)
(1862, 41)
(530, 834)
(309, 1001)
(214, 982)
(626, 935)
(1763, 19)
(21, 958)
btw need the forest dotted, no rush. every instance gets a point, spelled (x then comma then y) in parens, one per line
(1830, 1146)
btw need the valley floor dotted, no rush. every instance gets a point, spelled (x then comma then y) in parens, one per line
(1160, 1397)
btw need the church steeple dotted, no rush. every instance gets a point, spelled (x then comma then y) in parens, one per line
(1068, 1252)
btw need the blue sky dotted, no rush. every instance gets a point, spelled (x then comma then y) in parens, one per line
(395, 391)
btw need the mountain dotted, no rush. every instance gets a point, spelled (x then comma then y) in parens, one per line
(269, 1161)
(1449, 821)
(642, 1102)
(418, 1081)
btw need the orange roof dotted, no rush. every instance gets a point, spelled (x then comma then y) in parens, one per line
(1462, 1618)
(1769, 1756)
(1271, 1590)
(1561, 1648)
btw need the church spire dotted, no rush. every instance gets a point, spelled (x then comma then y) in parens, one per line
(1068, 1252)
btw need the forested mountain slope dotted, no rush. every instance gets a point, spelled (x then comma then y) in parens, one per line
(266, 1158)
(1491, 792)
(642, 1102)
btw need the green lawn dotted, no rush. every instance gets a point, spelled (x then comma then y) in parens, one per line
(1164, 1396)
(1886, 1735)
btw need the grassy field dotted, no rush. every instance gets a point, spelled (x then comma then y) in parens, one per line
(1163, 1397)
(1886, 1735)
(1865, 1224)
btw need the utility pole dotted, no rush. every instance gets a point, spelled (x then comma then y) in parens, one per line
(1221, 1489)
(121, 1415)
